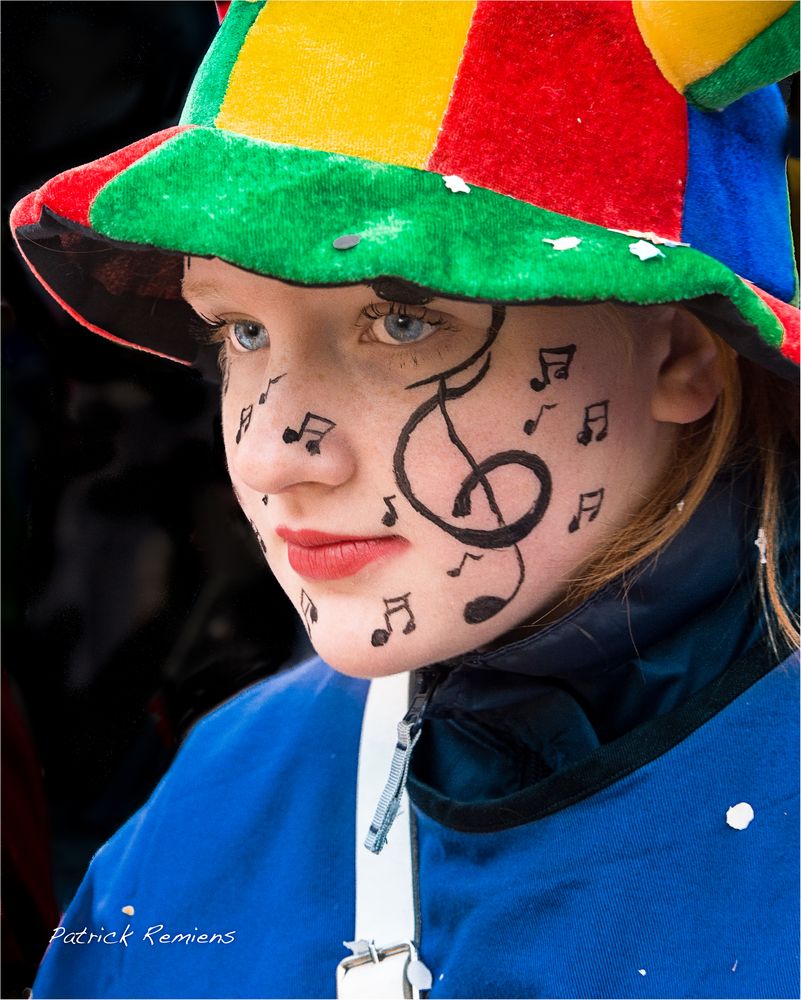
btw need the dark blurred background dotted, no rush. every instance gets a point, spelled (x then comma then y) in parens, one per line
(134, 596)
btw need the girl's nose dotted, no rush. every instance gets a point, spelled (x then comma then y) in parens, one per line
(286, 438)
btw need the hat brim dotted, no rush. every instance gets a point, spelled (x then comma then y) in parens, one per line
(108, 240)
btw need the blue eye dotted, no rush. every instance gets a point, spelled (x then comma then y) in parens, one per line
(405, 329)
(249, 335)
(397, 324)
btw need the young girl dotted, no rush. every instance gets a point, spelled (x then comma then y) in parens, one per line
(516, 439)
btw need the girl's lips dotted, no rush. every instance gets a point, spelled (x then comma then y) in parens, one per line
(319, 556)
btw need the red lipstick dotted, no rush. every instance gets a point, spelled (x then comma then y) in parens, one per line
(320, 556)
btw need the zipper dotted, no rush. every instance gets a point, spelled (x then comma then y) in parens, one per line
(409, 729)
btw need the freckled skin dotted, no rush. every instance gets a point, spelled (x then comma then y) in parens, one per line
(334, 353)
(506, 535)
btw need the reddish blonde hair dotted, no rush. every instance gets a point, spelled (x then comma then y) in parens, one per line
(754, 423)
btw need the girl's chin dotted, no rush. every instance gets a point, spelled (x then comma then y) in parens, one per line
(367, 663)
(369, 671)
(392, 647)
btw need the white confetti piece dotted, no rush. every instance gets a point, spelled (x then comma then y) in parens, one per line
(644, 250)
(761, 543)
(680, 506)
(129, 910)
(642, 972)
(734, 967)
(564, 242)
(359, 946)
(739, 817)
(652, 238)
(579, 121)
(441, 976)
(453, 182)
(419, 975)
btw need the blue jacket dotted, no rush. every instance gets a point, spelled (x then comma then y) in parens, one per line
(611, 872)
(638, 890)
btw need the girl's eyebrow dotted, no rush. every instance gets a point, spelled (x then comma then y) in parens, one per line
(398, 290)
(389, 289)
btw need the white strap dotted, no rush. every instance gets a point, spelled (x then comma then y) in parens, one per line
(384, 962)
(384, 886)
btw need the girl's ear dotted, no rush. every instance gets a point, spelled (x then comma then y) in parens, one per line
(690, 377)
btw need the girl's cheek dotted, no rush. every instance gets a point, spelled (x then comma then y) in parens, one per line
(242, 397)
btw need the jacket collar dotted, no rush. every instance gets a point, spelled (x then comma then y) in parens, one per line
(640, 645)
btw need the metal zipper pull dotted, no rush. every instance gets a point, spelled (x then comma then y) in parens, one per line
(409, 729)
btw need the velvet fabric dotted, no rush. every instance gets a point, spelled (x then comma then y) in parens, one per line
(771, 55)
(211, 82)
(411, 225)
(693, 42)
(71, 193)
(311, 75)
(555, 115)
(789, 318)
(747, 141)
(560, 105)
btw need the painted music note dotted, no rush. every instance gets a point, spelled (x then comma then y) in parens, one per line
(460, 567)
(270, 384)
(244, 421)
(315, 426)
(531, 425)
(506, 534)
(391, 515)
(590, 504)
(226, 370)
(594, 414)
(309, 611)
(554, 363)
(393, 605)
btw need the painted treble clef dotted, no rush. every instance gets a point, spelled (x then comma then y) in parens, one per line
(505, 535)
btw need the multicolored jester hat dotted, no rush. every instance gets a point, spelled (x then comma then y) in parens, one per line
(507, 151)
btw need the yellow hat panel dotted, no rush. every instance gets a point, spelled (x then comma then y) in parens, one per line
(369, 79)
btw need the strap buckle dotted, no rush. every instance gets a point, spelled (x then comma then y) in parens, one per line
(389, 972)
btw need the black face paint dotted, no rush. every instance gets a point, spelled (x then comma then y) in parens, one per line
(263, 396)
(313, 425)
(556, 360)
(590, 504)
(594, 414)
(245, 416)
(265, 499)
(531, 425)
(482, 608)
(226, 370)
(460, 567)
(505, 535)
(308, 610)
(405, 292)
(391, 515)
(392, 606)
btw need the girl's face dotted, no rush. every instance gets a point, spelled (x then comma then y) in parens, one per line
(425, 476)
